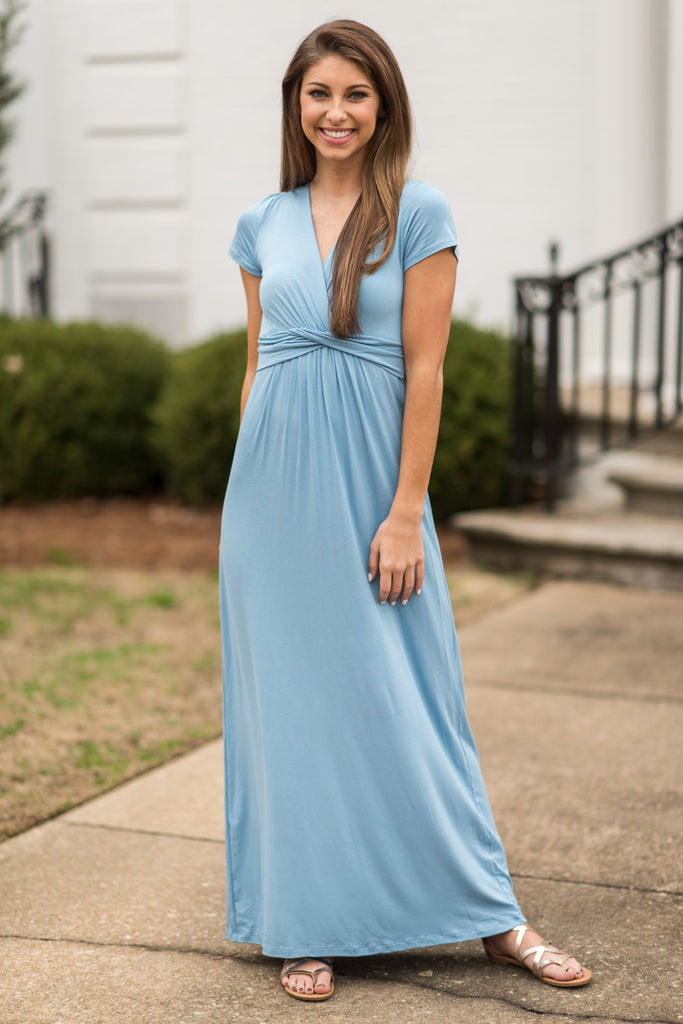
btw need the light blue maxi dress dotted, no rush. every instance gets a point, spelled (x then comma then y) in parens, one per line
(356, 817)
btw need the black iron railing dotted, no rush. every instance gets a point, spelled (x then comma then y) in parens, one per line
(25, 258)
(598, 360)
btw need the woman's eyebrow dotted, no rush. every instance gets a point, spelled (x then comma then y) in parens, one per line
(358, 85)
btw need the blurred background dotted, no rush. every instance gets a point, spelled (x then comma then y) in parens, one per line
(152, 124)
(132, 135)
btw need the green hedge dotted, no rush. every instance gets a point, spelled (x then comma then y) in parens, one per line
(470, 466)
(198, 416)
(74, 409)
(89, 409)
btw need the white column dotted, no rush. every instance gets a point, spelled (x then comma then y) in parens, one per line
(674, 155)
(630, 119)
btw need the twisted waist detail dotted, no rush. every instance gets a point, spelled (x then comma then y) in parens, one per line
(299, 341)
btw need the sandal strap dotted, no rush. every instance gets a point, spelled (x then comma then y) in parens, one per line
(294, 966)
(538, 952)
(538, 963)
(521, 930)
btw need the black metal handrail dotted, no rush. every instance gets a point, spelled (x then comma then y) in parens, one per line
(576, 392)
(25, 258)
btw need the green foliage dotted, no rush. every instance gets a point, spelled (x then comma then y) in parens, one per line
(10, 88)
(89, 409)
(198, 416)
(74, 409)
(470, 467)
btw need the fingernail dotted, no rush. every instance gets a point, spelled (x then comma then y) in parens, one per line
(369, 577)
(384, 601)
(419, 591)
(404, 602)
(393, 604)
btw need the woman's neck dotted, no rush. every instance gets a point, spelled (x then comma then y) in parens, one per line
(337, 181)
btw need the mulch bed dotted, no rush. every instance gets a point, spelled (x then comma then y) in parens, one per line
(130, 533)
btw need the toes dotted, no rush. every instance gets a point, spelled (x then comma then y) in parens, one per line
(295, 982)
(563, 972)
(323, 983)
(303, 984)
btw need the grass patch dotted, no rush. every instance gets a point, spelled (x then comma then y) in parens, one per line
(104, 674)
(60, 556)
(12, 728)
(163, 599)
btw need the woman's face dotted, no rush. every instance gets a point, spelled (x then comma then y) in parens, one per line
(339, 109)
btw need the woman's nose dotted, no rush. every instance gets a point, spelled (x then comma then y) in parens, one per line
(336, 111)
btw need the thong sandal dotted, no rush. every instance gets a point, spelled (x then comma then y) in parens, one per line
(538, 962)
(294, 967)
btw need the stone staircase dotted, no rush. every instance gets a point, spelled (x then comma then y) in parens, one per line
(621, 522)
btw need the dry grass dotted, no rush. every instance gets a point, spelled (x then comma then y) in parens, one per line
(103, 674)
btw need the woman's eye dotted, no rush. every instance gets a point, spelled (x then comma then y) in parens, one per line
(316, 94)
(359, 95)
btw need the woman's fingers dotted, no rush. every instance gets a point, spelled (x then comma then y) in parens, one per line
(385, 583)
(408, 585)
(373, 560)
(397, 584)
(397, 556)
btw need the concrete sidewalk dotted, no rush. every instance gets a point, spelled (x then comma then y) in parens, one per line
(114, 912)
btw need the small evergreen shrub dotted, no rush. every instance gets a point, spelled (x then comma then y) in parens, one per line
(198, 414)
(74, 409)
(470, 466)
(89, 409)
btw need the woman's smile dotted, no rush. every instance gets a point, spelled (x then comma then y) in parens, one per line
(337, 135)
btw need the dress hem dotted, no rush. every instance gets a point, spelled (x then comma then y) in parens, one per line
(386, 946)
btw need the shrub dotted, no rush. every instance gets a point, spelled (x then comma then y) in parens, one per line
(470, 466)
(74, 409)
(198, 414)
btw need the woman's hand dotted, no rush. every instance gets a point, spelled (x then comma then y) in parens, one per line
(397, 553)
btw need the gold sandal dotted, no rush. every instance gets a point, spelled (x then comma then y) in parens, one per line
(538, 963)
(293, 967)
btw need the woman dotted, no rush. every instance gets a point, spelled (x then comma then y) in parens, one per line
(357, 820)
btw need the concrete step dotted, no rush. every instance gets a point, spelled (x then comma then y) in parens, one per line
(654, 487)
(666, 442)
(633, 478)
(580, 541)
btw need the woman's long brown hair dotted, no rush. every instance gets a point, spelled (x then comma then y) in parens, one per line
(374, 218)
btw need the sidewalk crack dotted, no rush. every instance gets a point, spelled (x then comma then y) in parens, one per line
(142, 832)
(520, 1005)
(588, 1015)
(474, 681)
(146, 947)
(599, 885)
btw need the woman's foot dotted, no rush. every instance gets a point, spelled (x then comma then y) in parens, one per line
(523, 946)
(308, 978)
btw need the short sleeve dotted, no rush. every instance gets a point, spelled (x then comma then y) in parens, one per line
(244, 249)
(427, 225)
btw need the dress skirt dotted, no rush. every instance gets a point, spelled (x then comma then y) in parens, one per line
(356, 817)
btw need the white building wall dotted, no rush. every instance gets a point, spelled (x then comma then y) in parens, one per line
(674, 88)
(155, 122)
(630, 120)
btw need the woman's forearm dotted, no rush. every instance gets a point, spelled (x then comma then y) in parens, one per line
(246, 388)
(422, 412)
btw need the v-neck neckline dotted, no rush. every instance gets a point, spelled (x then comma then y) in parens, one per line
(323, 262)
